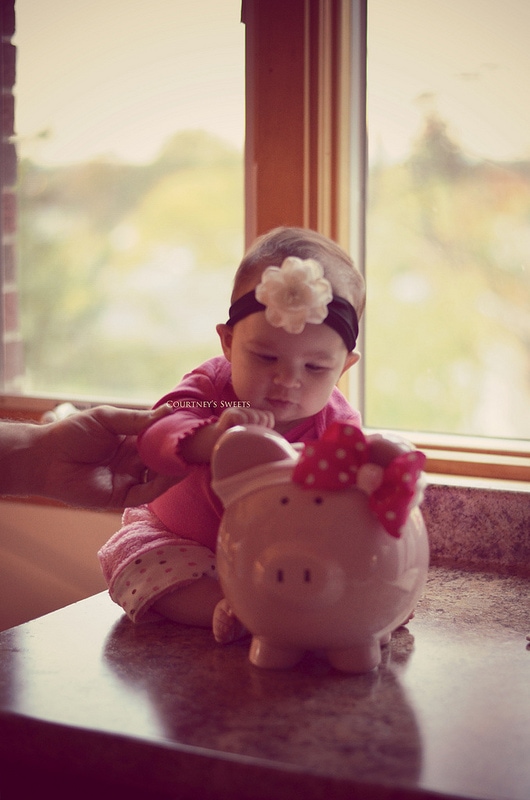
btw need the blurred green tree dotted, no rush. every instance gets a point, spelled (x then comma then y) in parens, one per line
(112, 257)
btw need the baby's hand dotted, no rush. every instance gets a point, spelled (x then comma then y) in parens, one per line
(197, 448)
(244, 416)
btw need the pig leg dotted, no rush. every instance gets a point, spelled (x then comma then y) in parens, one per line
(358, 658)
(385, 639)
(408, 619)
(264, 653)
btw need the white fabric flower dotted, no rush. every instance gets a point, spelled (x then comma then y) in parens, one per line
(294, 294)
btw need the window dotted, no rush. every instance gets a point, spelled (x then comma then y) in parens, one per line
(130, 128)
(306, 151)
(448, 217)
(305, 158)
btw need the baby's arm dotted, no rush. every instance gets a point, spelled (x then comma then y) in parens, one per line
(197, 448)
(168, 448)
(194, 603)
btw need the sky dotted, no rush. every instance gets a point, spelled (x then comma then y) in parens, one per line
(468, 60)
(117, 78)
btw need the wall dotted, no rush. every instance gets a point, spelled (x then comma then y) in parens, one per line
(48, 558)
(11, 362)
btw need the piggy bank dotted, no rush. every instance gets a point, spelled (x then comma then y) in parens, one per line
(321, 547)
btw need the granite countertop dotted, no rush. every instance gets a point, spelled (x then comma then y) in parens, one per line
(162, 709)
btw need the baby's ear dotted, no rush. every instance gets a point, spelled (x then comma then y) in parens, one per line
(226, 334)
(246, 446)
(351, 359)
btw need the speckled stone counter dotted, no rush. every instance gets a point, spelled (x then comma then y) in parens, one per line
(162, 711)
(479, 524)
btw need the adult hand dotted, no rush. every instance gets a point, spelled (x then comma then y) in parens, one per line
(88, 459)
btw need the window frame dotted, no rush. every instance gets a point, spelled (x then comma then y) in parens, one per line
(305, 104)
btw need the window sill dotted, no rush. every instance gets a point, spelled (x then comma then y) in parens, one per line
(32, 408)
(473, 456)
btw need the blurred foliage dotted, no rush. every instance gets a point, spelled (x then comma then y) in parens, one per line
(125, 269)
(448, 275)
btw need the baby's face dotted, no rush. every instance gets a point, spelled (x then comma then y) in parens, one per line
(290, 374)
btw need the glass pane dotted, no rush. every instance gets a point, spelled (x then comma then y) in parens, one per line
(130, 126)
(448, 222)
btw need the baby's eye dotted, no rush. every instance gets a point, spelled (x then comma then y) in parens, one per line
(316, 367)
(265, 357)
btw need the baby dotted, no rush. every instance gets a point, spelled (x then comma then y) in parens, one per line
(291, 334)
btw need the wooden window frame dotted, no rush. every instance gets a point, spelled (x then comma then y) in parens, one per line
(297, 154)
(305, 102)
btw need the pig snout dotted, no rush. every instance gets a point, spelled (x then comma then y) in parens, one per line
(297, 577)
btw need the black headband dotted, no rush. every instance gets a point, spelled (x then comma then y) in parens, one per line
(341, 316)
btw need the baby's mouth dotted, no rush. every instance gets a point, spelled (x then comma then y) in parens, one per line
(280, 402)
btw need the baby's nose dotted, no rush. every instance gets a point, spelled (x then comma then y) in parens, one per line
(288, 377)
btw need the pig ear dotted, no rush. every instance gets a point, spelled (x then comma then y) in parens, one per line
(246, 446)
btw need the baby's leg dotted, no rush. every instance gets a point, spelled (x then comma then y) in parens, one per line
(191, 604)
(144, 562)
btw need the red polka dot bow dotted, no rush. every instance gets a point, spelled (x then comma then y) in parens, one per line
(341, 458)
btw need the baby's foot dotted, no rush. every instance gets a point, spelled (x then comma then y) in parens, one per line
(225, 625)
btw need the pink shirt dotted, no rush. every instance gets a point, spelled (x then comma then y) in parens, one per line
(190, 509)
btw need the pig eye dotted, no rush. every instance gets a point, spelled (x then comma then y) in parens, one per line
(318, 500)
(284, 501)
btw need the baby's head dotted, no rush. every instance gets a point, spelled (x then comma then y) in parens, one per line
(283, 359)
(274, 247)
